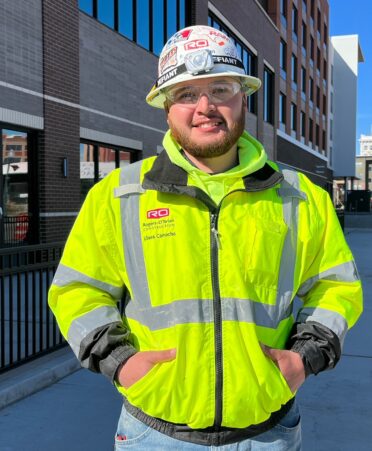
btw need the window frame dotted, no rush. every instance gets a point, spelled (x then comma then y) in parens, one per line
(181, 17)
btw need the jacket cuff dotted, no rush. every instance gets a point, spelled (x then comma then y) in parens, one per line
(110, 366)
(318, 346)
(104, 349)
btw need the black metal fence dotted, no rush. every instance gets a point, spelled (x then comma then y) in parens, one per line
(15, 229)
(27, 326)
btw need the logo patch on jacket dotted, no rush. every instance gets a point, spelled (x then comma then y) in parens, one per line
(158, 213)
(158, 224)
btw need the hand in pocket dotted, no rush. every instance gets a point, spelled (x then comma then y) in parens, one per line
(289, 363)
(140, 364)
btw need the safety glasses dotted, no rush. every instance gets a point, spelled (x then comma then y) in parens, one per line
(218, 92)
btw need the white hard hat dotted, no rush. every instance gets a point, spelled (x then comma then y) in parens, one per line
(198, 52)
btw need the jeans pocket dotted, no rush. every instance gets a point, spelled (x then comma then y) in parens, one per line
(130, 431)
(291, 421)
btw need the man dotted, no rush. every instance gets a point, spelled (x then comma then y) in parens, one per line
(210, 242)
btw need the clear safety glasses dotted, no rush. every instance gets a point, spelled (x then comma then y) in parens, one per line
(218, 92)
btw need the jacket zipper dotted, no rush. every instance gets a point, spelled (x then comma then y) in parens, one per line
(217, 315)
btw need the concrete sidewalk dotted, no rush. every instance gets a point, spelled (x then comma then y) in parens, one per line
(80, 412)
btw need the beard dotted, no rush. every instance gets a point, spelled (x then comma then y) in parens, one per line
(214, 149)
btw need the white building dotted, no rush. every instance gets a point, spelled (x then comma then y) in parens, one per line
(345, 54)
(365, 145)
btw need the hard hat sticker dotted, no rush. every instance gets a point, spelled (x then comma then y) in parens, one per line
(168, 60)
(196, 44)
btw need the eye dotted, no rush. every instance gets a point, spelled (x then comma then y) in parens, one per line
(221, 90)
(184, 95)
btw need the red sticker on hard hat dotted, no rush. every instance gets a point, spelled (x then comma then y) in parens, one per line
(177, 37)
(196, 44)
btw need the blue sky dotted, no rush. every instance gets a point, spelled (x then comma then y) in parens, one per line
(354, 17)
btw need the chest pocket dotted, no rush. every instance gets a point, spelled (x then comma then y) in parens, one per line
(264, 251)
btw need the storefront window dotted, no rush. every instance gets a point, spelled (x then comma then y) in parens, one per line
(14, 189)
(97, 161)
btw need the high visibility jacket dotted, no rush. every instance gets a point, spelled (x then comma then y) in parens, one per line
(212, 281)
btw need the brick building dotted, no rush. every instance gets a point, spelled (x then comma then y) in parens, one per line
(74, 76)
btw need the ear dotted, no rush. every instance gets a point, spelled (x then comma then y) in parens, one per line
(245, 100)
(166, 107)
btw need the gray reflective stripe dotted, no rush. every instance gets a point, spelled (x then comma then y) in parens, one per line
(65, 276)
(291, 197)
(130, 188)
(178, 312)
(132, 241)
(85, 324)
(243, 310)
(201, 311)
(332, 320)
(345, 272)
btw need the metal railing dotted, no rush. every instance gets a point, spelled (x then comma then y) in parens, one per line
(27, 326)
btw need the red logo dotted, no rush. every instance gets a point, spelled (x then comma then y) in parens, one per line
(158, 213)
(197, 44)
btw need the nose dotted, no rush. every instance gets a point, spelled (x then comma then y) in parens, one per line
(204, 104)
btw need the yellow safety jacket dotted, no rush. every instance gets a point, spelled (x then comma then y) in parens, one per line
(212, 280)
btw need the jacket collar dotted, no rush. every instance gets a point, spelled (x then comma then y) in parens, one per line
(167, 177)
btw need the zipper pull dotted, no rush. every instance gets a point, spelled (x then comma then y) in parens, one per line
(215, 231)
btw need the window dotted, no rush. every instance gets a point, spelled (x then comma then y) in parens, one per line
(318, 59)
(304, 7)
(317, 135)
(17, 187)
(143, 23)
(311, 89)
(331, 105)
(283, 8)
(324, 146)
(147, 22)
(324, 105)
(97, 161)
(312, 14)
(171, 17)
(294, 22)
(304, 37)
(248, 58)
(303, 124)
(105, 12)
(249, 62)
(317, 97)
(325, 68)
(86, 6)
(268, 86)
(319, 24)
(283, 59)
(293, 117)
(158, 26)
(125, 16)
(303, 80)
(311, 130)
(283, 12)
(312, 49)
(282, 108)
(294, 68)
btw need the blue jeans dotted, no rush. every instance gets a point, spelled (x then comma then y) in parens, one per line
(285, 436)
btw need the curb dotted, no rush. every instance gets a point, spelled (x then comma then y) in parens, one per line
(34, 376)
